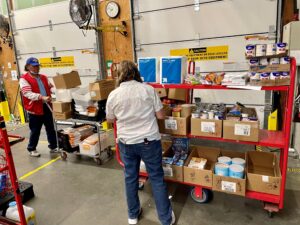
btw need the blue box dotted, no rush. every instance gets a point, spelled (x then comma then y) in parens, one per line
(173, 69)
(148, 68)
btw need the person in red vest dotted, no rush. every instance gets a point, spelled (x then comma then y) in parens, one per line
(36, 92)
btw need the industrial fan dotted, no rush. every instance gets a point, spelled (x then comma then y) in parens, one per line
(81, 12)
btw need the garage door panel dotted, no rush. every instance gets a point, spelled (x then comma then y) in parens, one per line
(225, 18)
(63, 37)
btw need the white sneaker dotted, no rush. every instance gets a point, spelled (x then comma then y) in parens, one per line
(135, 221)
(173, 218)
(34, 153)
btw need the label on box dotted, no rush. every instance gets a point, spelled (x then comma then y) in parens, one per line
(265, 179)
(242, 129)
(171, 124)
(168, 171)
(208, 127)
(228, 186)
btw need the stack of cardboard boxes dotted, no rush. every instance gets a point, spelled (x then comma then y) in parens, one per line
(65, 84)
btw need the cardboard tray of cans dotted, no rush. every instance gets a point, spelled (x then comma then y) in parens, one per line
(271, 68)
(269, 82)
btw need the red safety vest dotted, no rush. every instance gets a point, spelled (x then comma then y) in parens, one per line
(35, 107)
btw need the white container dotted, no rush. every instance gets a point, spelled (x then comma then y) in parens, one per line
(250, 51)
(13, 214)
(254, 76)
(275, 75)
(284, 75)
(274, 61)
(225, 160)
(261, 50)
(239, 161)
(285, 60)
(265, 76)
(263, 62)
(83, 97)
(195, 115)
(253, 62)
(64, 95)
(271, 49)
(236, 171)
(204, 116)
(211, 115)
(222, 169)
(281, 48)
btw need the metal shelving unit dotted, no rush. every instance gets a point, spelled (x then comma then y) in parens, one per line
(276, 139)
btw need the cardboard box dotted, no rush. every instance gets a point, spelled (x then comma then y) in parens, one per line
(172, 172)
(67, 80)
(271, 68)
(230, 185)
(197, 176)
(100, 89)
(94, 149)
(242, 130)
(162, 92)
(206, 128)
(61, 107)
(177, 94)
(277, 82)
(174, 125)
(263, 173)
(62, 116)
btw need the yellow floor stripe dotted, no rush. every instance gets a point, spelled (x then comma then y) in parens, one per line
(39, 168)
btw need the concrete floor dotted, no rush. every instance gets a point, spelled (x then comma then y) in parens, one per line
(78, 192)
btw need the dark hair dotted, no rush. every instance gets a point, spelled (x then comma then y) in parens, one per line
(25, 68)
(128, 71)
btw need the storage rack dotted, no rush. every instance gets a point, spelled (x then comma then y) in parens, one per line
(97, 158)
(10, 167)
(276, 139)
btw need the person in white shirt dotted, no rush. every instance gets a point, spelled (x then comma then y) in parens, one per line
(135, 106)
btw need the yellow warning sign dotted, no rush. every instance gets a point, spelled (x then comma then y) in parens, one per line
(203, 54)
(65, 61)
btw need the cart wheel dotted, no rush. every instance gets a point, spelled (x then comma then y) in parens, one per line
(63, 155)
(207, 196)
(98, 161)
(270, 214)
(141, 185)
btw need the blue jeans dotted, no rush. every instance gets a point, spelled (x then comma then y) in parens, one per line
(151, 154)
(35, 124)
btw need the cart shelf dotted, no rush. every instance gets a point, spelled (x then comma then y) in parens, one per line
(267, 138)
(217, 87)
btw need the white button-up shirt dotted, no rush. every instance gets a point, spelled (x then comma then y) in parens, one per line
(133, 105)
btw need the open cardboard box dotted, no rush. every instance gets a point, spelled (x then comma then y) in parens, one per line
(242, 130)
(101, 89)
(67, 80)
(162, 92)
(172, 172)
(177, 94)
(198, 176)
(228, 184)
(263, 173)
(175, 125)
(206, 127)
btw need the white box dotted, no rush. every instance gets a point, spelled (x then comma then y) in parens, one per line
(64, 95)
(93, 150)
(291, 34)
(149, 69)
(83, 97)
(173, 69)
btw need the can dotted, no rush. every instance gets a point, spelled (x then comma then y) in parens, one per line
(274, 61)
(222, 169)
(275, 75)
(263, 62)
(281, 48)
(211, 115)
(254, 62)
(176, 112)
(239, 161)
(285, 60)
(271, 49)
(225, 160)
(236, 171)
(284, 75)
(204, 116)
(261, 50)
(250, 50)
(265, 76)
(195, 115)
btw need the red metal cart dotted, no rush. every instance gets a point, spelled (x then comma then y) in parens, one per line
(7, 167)
(276, 139)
